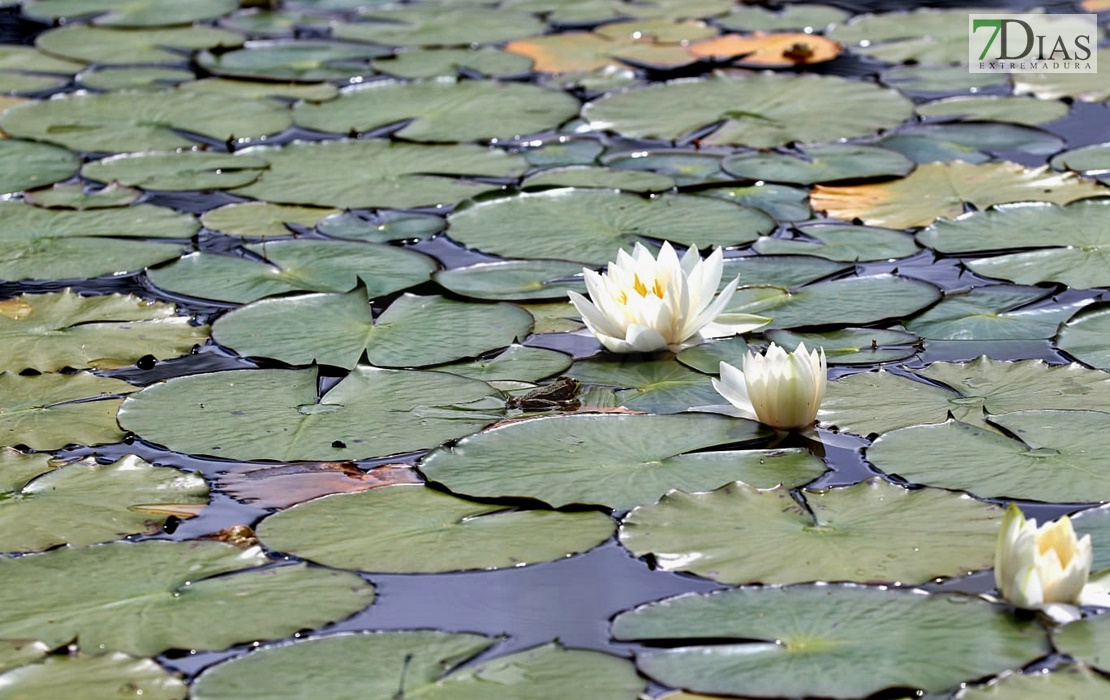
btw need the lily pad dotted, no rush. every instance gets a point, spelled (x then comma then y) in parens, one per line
(26, 165)
(820, 163)
(842, 242)
(1096, 523)
(613, 460)
(439, 26)
(746, 18)
(594, 224)
(996, 312)
(294, 265)
(587, 176)
(781, 202)
(685, 166)
(937, 190)
(923, 35)
(768, 49)
(93, 678)
(851, 346)
(144, 598)
(877, 402)
(123, 78)
(49, 332)
(262, 219)
(142, 121)
(514, 280)
(50, 411)
(109, 46)
(433, 63)
(853, 300)
(305, 61)
(1067, 444)
(382, 227)
(933, 80)
(411, 529)
(1086, 336)
(654, 386)
(404, 175)
(176, 170)
(1093, 161)
(1085, 87)
(990, 136)
(424, 663)
(1086, 641)
(279, 414)
(1069, 244)
(85, 503)
(872, 531)
(995, 108)
(336, 329)
(602, 51)
(17, 468)
(517, 363)
(441, 110)
(785, 270)
(1065, 682)
(851, 641)
(707, 357)
(78, 196)
(56, 244)
(15, 58)
(137, 13)
(924, 149)
(261, 90)
(757, 110)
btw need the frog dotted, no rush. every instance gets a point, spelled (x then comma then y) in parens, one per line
(560, 394)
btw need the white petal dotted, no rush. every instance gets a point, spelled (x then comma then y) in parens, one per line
(595, 320)
(642, 339)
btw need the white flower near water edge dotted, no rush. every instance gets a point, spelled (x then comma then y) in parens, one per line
(780, 389)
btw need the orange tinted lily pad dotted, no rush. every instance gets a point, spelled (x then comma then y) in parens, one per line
(283, 486)
(768, 48)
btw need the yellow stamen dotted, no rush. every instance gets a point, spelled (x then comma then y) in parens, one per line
(639, 286)
(658, 289)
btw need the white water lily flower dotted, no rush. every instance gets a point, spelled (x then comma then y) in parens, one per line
(780, 389)
(1046, 568)
(644, 304)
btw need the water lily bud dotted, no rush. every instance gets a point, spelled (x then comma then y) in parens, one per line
(644, 304)
(780, 389)
(1037, 568)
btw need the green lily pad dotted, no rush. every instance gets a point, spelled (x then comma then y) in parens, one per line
(1069, 244)
(93, 678)
(992, 313)
(1085, 87)
(820, 163)
(267, 19)
(176, 170)
(441, 110)
(50, 411)
(937, 190)
(748, 18)
(294, 265)
(439, 26)
(654, 386)
(12, 83)
(1093, 161)
(49, 332)
(142, 121)
(1087, 641)
(20, 652)
(123, 78)
(404, 175)
(877, 402)
(851, 346)
(382, 227)
(85, 503)
(144, 598)
(1086, 336)
(594, 224)
(78, 196)
(786, 270)
(279, 414)
(991, 136)
(514, 280)
(517, 363)
(412, 529)
(425, 664)
(564, 150)
(262, 90)
(707, 357)
(26, 165)
(336, 329)
(18, 59)
(872, 531)
(924, 149)
(1096, 523)
(758, 110)
(923, 35)
(854, 300)
(588, 176)
(842, 242)
(1067, 444)
(1066, 682)
(109, 46)
(685, 166)
(136, 13)
(17, 468)
(995, 108)
(851, 641)
(932, 79)
(433, 63)
(618, 461)
(304, 61)
(56, 244)
(262, 219)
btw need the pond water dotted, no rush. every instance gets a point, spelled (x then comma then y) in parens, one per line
(320, 198)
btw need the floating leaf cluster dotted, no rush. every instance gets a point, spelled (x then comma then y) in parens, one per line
(285, 322)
